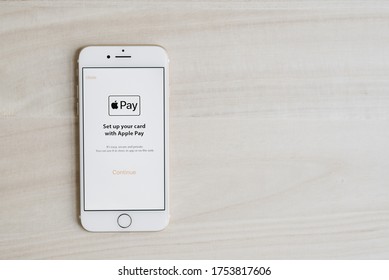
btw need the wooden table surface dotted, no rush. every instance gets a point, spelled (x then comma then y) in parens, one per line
(279, 128)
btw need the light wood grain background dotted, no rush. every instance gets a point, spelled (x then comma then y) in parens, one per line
(279, 128)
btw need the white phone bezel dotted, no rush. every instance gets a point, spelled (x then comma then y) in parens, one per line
(141, 56)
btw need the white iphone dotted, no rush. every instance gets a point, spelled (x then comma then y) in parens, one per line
(124, 157)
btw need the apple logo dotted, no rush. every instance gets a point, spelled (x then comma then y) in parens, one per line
(114, 105)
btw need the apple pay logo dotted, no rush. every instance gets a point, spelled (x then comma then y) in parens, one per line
(124, 105)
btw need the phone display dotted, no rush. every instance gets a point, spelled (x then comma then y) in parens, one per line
(124, 138)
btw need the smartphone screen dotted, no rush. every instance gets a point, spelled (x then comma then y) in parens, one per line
(124, 138)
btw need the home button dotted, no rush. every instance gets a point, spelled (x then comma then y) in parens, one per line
(124, 221)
